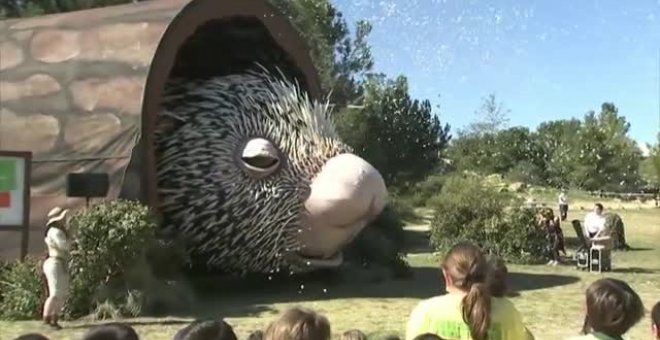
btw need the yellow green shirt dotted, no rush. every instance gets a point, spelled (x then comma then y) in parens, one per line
(441, 315)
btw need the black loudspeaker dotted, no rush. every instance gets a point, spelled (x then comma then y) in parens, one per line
(87, 185)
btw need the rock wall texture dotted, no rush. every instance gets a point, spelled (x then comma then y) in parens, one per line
(77, 89)
(71, 91)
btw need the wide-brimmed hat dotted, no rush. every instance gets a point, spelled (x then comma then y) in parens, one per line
(56, 214)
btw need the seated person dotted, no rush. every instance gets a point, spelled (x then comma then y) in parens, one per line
(655, 320)
(467, 311)
(613, 308)
(206, 330)
(299, 324)
(111, 331)
(594, 222)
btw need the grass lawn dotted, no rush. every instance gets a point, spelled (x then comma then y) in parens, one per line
(550, 298)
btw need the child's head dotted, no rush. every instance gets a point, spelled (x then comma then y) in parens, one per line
(391, 337)
(256, 335)
(299, 324)
(465, 268)
(353, 335)
(206, 330)
(32, 336)
(497, 277)
(612, 307)
(655, 320)
(428, 336)
(547, 214)
(112, 331)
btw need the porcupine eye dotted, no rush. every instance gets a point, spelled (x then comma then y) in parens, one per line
(260, 158)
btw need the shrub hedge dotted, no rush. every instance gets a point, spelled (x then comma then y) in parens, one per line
(468, 210)
(22, 289)
(381, 244)
(113, 255)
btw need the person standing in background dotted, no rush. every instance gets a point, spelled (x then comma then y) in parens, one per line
(563, 205)
(55, 266)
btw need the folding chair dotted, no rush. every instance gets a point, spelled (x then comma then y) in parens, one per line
(577, 227)
(582, 255)
(600, 254)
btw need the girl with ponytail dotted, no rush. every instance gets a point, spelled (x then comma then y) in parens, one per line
(467, 311)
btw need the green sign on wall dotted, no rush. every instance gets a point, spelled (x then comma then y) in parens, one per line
(8, 175)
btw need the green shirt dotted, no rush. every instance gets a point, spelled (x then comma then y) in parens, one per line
(441, 315)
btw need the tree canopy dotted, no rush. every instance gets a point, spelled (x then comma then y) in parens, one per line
(399, 135)
(593, 153)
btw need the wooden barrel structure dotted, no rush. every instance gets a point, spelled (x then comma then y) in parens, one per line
(82, 90)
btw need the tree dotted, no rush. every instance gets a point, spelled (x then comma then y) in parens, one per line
(650, 166)
(595, 153)
(608, 158)
(399, 135)
(492, 117)
(558, 150)
(513, 151)
(342, 61)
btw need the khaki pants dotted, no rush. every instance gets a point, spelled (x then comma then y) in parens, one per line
(57, 278)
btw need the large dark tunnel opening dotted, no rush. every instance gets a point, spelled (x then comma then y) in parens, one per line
(229, 46)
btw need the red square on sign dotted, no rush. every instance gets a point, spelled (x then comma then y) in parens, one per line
(5, 199)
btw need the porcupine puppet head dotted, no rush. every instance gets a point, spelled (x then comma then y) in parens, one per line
(253, 177)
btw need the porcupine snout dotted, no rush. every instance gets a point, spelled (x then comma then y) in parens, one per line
(345, 196)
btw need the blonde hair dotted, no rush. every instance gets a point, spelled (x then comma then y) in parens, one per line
(299, 324)
(467, 266)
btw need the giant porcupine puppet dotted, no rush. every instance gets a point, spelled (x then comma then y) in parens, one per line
(253, 178)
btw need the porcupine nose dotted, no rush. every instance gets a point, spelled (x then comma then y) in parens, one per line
(345, 196)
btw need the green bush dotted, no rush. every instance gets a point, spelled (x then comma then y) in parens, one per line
(22, 290)
(418, 194)
(4, 268)
(114, 248)
(427, 189)
(467, 210)
(402, 207)
(381, 243)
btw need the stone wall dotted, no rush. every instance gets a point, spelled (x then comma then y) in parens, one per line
(71, 91)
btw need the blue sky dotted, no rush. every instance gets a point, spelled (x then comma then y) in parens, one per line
(544, 59)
